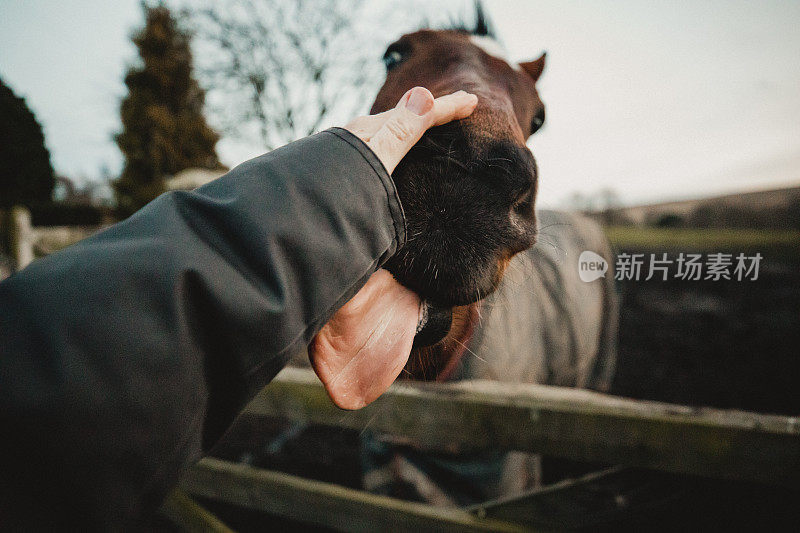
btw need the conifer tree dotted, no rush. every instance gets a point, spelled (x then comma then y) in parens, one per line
(163, 128)
(26, 175)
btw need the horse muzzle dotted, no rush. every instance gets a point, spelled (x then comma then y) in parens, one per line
(434, 325)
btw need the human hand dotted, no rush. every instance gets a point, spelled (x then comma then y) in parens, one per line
(364, 346)
(391, 134)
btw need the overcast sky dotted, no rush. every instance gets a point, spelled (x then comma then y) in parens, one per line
(657, 100)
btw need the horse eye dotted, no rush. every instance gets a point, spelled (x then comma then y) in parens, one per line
(396, 54)
(537, 122)
(392, 59)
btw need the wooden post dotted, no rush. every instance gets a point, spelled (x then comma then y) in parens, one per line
(21, 237)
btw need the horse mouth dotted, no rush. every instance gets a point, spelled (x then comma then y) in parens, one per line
(454, 278)
(434, 325)
(437, 319)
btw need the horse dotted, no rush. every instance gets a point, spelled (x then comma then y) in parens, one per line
(468, 191)
(501, 278)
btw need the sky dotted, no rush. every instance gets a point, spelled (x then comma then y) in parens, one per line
(655, 100)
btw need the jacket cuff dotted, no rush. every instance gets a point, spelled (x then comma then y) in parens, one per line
(395, 207)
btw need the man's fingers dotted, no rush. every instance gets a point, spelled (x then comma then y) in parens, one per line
(454, 106)
(403, 127)
(391, 134)
(415, 113)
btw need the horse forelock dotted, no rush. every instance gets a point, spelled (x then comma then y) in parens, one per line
(481, 26)
(493, 48)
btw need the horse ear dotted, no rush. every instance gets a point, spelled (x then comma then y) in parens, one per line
(534, 68)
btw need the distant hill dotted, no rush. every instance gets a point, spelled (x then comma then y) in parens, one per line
(777, 208)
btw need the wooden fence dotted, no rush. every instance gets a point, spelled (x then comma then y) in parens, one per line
(569, 423)
(26, 242)
(474, 415)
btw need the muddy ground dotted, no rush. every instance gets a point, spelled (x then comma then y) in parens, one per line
(730, 344)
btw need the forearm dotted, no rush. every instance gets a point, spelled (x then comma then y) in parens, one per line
(152, 335)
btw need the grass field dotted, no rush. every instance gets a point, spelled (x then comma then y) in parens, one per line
(712, 240)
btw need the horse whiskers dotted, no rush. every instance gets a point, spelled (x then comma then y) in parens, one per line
(479, 311)
(507, 171)
(478, 357)
(554, 246)
(556, 224)
(371, 420)
(451, 160)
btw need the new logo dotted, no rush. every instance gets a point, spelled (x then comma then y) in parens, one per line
(591, 266)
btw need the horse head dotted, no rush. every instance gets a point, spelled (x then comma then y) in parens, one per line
(467, 188)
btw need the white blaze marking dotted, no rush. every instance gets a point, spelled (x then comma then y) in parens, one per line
(493, 48)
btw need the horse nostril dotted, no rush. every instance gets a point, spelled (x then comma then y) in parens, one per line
(523, 206)
(513, 167)
(523, 222)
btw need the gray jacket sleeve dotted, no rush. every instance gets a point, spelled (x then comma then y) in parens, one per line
(124, 357)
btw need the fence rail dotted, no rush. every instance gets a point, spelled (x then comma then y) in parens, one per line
(576, 424)
(569, 423)
(327, 504)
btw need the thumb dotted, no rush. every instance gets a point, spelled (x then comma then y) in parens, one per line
(403, 127)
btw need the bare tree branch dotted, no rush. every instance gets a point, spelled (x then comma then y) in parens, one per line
(283, 69)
